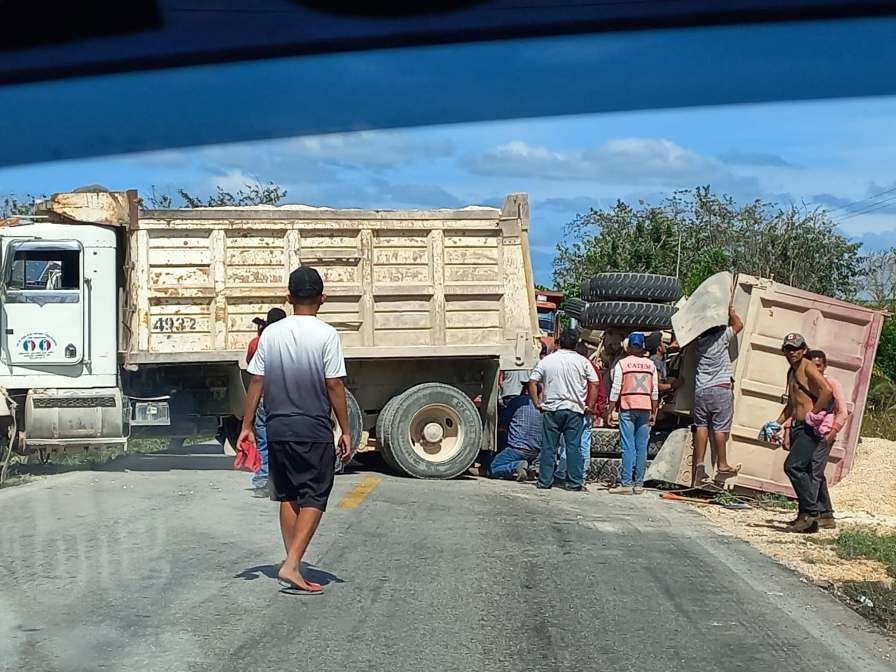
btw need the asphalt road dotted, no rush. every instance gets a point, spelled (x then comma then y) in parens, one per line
(169, 566)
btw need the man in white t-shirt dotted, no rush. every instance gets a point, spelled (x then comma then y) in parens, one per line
(299, 366)
(569, 387)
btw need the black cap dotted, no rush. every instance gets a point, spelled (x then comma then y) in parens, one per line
(305, 282)
(274, 315)
(652, 342)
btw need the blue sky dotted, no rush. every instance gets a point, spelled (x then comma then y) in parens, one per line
(835, 154)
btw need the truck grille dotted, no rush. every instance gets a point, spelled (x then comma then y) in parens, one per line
(74, 402)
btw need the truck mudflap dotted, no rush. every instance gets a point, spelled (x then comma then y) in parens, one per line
(62, 419)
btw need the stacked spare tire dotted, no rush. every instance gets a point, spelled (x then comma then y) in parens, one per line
(626, 301)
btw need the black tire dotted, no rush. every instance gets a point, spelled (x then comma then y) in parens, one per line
(632, 287)
(574, 308)
(383, 426)
(605, 443)
(356, 424)
(606, 470)
(627, 315)
(452, 413)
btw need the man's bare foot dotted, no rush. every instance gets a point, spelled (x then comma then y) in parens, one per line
(295, 581)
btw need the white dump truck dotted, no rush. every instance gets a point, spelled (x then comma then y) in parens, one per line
(118, 319)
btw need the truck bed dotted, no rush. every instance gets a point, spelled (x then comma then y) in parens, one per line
(399, 284)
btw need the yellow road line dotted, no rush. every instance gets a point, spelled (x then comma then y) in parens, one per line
(357, 494)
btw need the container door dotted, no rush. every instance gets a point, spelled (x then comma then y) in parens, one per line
(43, 303)
(848, 335)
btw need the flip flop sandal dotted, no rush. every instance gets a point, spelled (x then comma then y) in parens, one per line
(734, 471)
(288, 588)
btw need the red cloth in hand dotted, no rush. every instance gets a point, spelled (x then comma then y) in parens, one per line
(247, 457)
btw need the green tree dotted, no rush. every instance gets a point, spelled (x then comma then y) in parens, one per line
(878, 280)
(258, 193)
(694, 233)
(706, 263)
(13, 205)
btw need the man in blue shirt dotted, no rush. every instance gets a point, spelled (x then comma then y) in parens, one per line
(523, 438)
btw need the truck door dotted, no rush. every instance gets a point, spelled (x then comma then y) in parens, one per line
(43, 302)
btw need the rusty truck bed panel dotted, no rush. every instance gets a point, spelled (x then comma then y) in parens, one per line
(847, 333)
(404, 284)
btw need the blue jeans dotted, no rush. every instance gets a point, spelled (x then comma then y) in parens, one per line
(260, 477)
(560, 469)
(505, 463)
(569, 425)
(634, 435)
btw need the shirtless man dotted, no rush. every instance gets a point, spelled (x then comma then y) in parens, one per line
(808, 394)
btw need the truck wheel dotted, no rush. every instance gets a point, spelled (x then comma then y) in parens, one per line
(435, 432)
(627, 315)
(383, 429)
(356, 424)
(632, 287)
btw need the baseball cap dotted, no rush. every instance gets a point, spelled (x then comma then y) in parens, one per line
(652, 342)
(305, 282)
(794, 340)
(274, 315)
(636, 340)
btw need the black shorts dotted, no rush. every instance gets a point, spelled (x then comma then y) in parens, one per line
(302, 472)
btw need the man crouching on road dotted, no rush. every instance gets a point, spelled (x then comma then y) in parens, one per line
(299, 366)
(808, 396)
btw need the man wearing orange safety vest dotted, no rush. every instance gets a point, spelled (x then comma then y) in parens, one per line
(635, 393)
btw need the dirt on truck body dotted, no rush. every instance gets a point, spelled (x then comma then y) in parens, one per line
(430, 305)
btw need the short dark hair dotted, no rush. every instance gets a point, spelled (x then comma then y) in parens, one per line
(817, 354)
(568, 339)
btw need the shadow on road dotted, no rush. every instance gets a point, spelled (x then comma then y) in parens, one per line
(310, 572)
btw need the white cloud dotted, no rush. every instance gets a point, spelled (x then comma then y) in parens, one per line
(622, 161)
(368, 147)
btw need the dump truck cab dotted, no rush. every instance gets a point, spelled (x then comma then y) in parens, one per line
(58, 331)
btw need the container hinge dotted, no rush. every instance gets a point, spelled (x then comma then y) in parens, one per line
(522, 340)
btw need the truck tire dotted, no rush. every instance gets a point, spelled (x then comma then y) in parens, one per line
(356, 424)
(435, 432)
(605, 443)
(606, 470)
(574, 308)
(627, 315)
(632, 287)
(383, 425)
